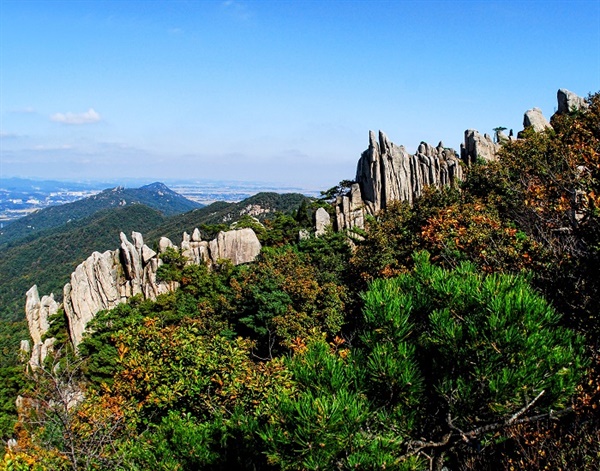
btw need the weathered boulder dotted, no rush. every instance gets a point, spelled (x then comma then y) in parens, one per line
(569, 101)
(322, 221)
(478, 146)
(303, 234)
(147, 254)
(239, 246)
(165, 243)
(25, 348)
(534, 118)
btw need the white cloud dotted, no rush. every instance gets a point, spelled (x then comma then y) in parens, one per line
(87, 117)
(8, 135)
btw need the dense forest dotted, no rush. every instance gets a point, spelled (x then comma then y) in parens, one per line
(461, 332)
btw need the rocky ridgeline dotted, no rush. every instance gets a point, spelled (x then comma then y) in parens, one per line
(107, 279)
(387, 172)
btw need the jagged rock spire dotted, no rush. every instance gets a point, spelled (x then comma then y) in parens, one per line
(387, 172)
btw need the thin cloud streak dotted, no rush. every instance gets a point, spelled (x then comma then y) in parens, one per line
(87, 117)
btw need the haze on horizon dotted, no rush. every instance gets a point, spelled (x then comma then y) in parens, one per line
(279, 91)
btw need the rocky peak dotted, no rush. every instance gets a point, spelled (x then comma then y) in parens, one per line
(569, 101)
(535, 119)
(477, 146)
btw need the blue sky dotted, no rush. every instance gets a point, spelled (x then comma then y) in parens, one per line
(278, 91)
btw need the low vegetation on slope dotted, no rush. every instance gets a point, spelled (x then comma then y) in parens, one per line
(461, 333)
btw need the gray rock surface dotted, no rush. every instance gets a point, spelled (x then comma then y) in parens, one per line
(303, 234)
(322, 221)
(387, 172)
(534, 118)
(25, 348)
(569, 101)
(94, 286)
(239, 246)
(476, 146)
(350, 210)
(37, 313)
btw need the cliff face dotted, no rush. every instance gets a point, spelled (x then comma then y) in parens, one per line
(387, 172)
(107, 279)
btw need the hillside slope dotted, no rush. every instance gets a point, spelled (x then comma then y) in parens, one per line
(262, 206)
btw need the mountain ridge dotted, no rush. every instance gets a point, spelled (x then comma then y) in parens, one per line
(155, 195)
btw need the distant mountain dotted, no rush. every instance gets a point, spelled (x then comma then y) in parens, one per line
(155, 195)
(48, 259)
(262, 206)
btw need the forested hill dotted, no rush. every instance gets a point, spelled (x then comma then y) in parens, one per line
(262, 206)
(156, 195)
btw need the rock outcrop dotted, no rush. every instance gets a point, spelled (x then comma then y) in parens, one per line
(387, 172)
(37, 312)
(239, 246)
(478, 146)
(350, 210)
(534, 118)
(569, 101)
(194, 248)
(322, 221)
(108, 279)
